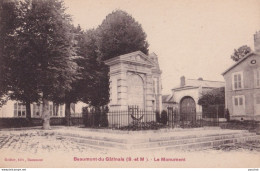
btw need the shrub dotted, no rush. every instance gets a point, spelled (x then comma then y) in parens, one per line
(85, 116)
(158, 119)
(104, 119)
(143, 126)
(227, 115)
(164, 117)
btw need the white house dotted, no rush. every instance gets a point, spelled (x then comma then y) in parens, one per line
(17, 109)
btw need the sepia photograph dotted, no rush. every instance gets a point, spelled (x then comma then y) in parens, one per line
(130, 84)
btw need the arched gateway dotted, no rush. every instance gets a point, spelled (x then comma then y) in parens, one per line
(135, 80)
(135, 86)
(187, 109)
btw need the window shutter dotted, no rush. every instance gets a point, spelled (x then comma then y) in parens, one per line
(241, 101)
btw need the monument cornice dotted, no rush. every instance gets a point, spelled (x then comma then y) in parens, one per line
(126, 59)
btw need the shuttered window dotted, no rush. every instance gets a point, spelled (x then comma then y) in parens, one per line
(237, 81)
(19, 110)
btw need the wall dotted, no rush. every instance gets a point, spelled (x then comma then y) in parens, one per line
(248, 91)
(7, 110)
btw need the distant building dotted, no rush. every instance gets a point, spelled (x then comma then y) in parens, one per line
(168, 102)
(15, 109)
(135, 80)
(242, 95)
(187, 94)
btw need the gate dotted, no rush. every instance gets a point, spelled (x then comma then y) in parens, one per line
(188, 109)
(171, 116)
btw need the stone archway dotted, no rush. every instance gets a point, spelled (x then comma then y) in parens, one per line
(187, 109)
(135, 91)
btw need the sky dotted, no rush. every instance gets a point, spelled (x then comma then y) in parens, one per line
(192, 38)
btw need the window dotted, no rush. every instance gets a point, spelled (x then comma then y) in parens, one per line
(61, 110)
(236, 101)
(239, 101)
(36, 110)
(237, 81)
(19, 110)
(55, 110)
(51, 109)
(258, 99)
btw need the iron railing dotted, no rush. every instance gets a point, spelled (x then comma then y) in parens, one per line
(140, 119)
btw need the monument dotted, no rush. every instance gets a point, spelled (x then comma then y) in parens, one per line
(135, 80)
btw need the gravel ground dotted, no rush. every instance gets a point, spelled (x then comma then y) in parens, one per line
(246, 146)
(54, 150)
(39, 141)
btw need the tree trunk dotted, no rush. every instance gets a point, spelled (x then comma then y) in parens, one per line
(68, 114)
(28, 110)
(46, 114)
(28, 113)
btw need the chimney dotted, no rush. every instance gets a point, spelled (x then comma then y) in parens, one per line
(257, 41)
(182, 81)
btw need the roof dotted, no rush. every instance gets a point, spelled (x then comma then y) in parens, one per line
(195, 83)
(241, 60)
(167, 99)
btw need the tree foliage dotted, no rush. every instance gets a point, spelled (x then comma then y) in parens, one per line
(96, 72)
(40, 66)
(44, 58)
(8, 21)
(213, 97)
(119, 34)
(240, 52)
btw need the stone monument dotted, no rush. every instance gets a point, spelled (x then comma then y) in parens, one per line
(135, 80)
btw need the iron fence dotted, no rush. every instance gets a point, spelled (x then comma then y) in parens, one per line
(119, 118)
(189, 120)
(138, 119)
(213, 111)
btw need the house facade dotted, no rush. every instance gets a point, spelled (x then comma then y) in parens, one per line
(135, 80)
(242, 95)
(15, 109)
(187, 95)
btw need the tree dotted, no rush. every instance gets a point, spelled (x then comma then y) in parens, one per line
(8, 15)
(213, 97)
(240, 52)
(17, 80)
(95, 72)
(41, 66)
(83, 87)
(118, 34)
(51, 42)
